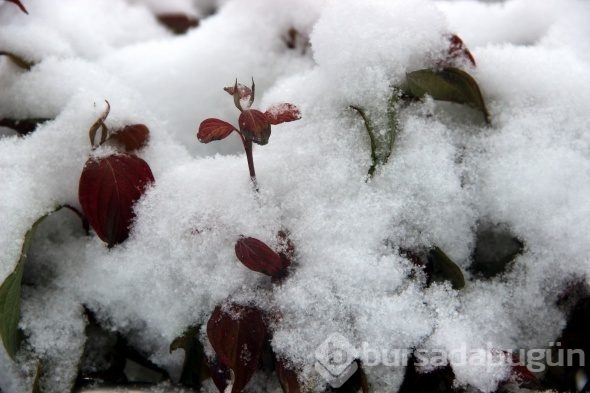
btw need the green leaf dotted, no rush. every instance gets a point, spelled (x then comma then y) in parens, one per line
(10, 308)
(19, 61)
(10, 292)
(496, 248)
(381, 142)
(10, 296)
(444, 269)
(449, 84)
(194, 369)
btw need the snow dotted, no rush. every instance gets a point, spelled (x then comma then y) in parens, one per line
(528, 171)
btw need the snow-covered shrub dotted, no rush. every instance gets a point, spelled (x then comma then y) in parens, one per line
(432, 197)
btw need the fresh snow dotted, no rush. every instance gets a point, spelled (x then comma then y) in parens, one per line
(529, 171)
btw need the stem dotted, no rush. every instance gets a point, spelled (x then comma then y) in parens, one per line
(85, 223)
(370, 130)
(248, 149)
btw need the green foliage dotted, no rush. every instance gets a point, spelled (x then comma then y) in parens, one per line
(10, 292)
(449, 84)
(381, 142)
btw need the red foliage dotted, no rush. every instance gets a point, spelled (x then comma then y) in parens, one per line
(457, 51)
(238, 333)
(214, 130)
(133, 137)
(243, 91)
(109, 187)
(288, 378)
(282, 113)
(254, 126)
(257, 256)
(177, 22)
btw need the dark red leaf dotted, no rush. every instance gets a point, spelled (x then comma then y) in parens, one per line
(178, 23)
(214, 130)
(257, 256)
(288, 378)
(109, 187)
(238, 333)
(133, 137)
(285, 244)
(220, 374)
(290, 38)
(255, 126)
(244, 91)
(458, 51)
(20, 5)
(282, 113)
(520, 374)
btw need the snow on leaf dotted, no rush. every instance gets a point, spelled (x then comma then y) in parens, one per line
(238, 334)
(458, 51)
(282, 113)
(109, 187)
(243, 91)
(214, 130)
(381, 143)
(449, 84)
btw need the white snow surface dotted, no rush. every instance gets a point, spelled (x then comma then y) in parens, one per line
(529, 170)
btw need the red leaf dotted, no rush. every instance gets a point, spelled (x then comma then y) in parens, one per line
(288, 378)
(286, 250)
(179, 23)
(257, 256)
(282, 113)
(457, 51)
(133, 137)
(214, 130)
(238, 335)
(219, 373)
(20, 5)
(255, 126)
(109, 186)
(520, 373)
(244, 91)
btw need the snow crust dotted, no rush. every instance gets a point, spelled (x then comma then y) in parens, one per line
(447, 173)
